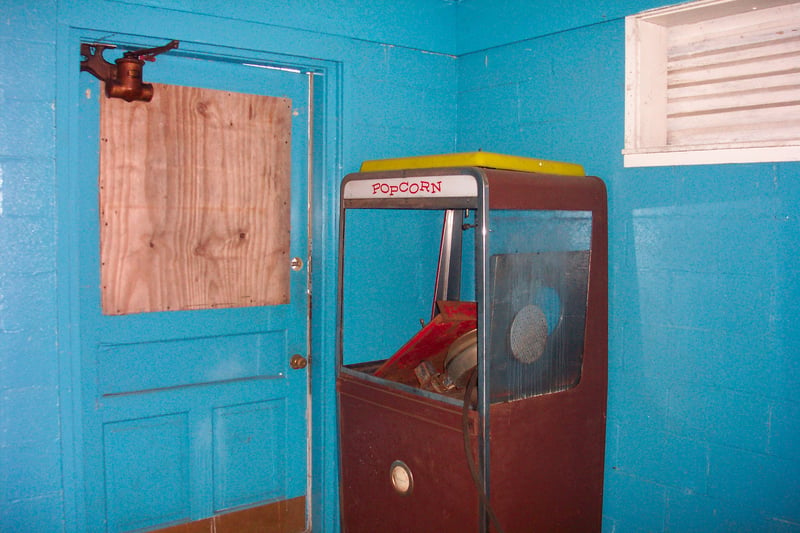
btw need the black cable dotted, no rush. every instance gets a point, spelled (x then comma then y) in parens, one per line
(472, 382)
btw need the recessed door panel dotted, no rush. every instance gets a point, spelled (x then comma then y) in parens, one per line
(144, 457)
(249, 445)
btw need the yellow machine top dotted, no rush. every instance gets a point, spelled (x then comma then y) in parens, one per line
(475, 159)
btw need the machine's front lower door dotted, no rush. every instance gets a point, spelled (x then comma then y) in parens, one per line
(193, 414)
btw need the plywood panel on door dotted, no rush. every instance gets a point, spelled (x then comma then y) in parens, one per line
(194, 200)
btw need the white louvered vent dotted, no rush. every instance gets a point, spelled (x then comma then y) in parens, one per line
(714, 81)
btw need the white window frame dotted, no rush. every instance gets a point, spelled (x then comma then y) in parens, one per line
(652, 125)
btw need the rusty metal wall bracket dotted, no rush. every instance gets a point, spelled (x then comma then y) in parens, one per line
(123, 78)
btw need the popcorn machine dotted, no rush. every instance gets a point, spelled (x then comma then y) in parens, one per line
(472, 345)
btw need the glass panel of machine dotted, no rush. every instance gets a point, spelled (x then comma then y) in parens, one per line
(538, 281)
(408, 293)
(390, 261)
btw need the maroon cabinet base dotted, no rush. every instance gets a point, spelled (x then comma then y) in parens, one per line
(546, 455)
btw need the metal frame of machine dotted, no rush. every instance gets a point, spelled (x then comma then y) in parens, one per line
(561, 435)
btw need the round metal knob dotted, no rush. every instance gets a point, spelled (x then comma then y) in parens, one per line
(298, 362)
(402, 480)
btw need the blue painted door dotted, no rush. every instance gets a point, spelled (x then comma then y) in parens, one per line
(189, 414)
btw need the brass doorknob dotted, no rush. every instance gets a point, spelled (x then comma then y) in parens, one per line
(298, 362)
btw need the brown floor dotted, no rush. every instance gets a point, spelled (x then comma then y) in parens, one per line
(287, 516)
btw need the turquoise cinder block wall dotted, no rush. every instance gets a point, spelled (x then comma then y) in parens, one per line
(30, 442)
(704, 399)
(704, 384)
